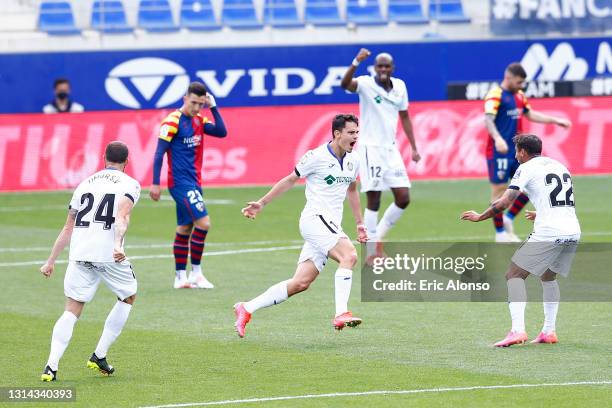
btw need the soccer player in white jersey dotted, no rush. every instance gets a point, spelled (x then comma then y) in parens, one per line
(98, 219)
(550, 249)
(381, 99)
(331, 176)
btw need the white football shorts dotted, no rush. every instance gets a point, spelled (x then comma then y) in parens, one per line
(381, 168)
(320, 236)
(538, 254)
(82, 279)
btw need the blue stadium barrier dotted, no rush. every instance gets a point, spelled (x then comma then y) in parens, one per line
(56, 18)
(323, 13)
(240, 14)
(407, 12)
(198, 15)
(364, 12)
(108, 16)
(156, 16)
(281, 13)
(447, 11)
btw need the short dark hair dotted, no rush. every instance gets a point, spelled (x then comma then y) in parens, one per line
(340, 121)
(60, 81)
(197, 88)
(116, 152)
(528, 142)
(517, 69)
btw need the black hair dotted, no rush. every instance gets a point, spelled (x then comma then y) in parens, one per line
(197, 88)
(528, 142)
(116, 152)
(60, 81)
(517, 69)
(340, 121)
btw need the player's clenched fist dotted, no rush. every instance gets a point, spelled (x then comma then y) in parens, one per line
(155, 192)
(118, 255)
(47, 269)
(362, 234)
(530, 215)
(252, 209)
(363, 54)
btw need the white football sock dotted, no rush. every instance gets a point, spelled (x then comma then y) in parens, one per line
(370, 219)
(551, 296)
(388, 220)
(196, 269)
(181, 274)
(343, 282)
(273, 296)
(517, 302)
(62, 332)
(112, 328)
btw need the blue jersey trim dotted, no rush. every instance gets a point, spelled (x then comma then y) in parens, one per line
(329, 149)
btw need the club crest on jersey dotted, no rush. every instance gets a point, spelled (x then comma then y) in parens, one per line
(349, 166)
(200, 206)
(501, 174)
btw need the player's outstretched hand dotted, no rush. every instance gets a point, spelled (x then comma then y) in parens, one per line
(363, 54)
(252, 209)
(530, 215)
(155, 192)
(362, 234)
(501, 146)
(564, 123)
(118, 254)
(416, 156)
(47, 269)
(470, 216)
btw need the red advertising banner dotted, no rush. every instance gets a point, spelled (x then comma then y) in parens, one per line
(47, 152)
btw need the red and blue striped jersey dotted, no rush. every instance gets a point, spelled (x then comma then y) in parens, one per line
(185, 135)
(508, 109)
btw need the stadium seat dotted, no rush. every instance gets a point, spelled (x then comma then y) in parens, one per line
(281, 13)
(323, 13)
(198, 15)
(109, 16)
(407, 12)
(240, 14)
(364, 12)
(56, 17)
(156, 16)
(447, 11)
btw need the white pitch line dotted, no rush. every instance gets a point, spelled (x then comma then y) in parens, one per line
(209, 253)
(213, 244)
(166, 245)
(166, 202)
(390, 392)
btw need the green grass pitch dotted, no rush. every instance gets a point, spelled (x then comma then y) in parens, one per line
(180, 346)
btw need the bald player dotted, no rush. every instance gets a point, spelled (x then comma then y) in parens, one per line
(382, 98)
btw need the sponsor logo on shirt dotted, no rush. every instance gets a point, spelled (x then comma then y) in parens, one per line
(340, 179)
(378, 99)
(514, 113)
(192, 141)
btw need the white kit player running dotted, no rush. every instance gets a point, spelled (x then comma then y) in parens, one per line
(98, 219)
(550, 249)
(381, 99)
(331, 176)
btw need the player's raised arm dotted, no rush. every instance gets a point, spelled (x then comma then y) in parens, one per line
(348, 82)
(354, 202)
(496, 207)
(60, 243)
(216, 129)
(254, 207)
(122, 221)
